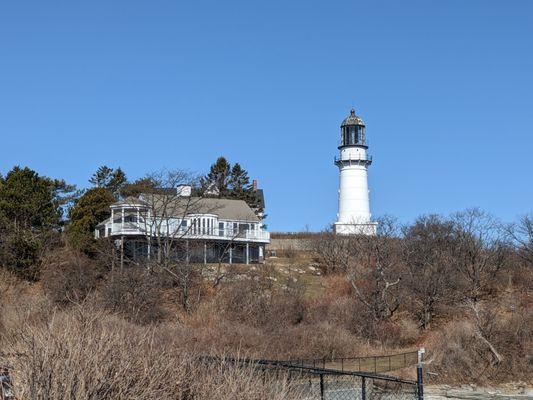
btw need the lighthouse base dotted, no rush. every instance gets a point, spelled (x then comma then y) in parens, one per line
(367, 228)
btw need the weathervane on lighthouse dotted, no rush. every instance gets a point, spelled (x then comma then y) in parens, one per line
(353, 161)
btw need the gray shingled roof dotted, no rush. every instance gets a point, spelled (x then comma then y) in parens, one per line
(224, 208)
(173, 206)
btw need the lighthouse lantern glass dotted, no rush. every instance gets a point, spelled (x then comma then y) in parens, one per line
(353, 135)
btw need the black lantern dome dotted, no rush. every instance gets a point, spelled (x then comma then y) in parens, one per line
(353, 131)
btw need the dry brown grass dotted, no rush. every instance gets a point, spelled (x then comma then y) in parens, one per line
(466, 350)
(124, 334)
(84, 353)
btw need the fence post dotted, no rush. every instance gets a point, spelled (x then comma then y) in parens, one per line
(419, 375)
(419, 382)
(363, 388)
(321, 386)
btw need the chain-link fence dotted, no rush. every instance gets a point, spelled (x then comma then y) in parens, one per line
(313, 383)
(327, 386)
(363, 364)
(6, 384)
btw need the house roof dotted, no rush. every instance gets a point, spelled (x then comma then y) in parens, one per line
(179, 207)
(225, 208)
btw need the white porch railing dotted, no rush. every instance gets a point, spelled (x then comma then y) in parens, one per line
(131, 228)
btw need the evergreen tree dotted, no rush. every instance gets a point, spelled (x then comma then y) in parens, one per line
(239, 182)
(30, 215)
(117, 181)
(109, 178)
(30, 201)
(225, 181)
(101, 177)
(216, 182)
(142, 185)
(91, 209)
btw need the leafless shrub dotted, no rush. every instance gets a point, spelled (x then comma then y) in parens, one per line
(87, 354)
(253, 301)
(68, 276)
(134, 294)
(187, 279)
(334, 252)
(488, 346)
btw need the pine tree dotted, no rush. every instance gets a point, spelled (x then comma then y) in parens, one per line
(216, 182)
(91, 209)
(101, 177)
(109, 178)
(30, 215)
(30, 201)
(117, 181)
(239, 183)
(226, 181)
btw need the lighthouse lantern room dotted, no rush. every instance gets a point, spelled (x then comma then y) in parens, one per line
(354, 216)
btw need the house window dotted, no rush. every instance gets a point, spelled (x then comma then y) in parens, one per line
(221, 229)
(108, 231)
(130, 218)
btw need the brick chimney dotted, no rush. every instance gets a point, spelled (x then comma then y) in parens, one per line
(254, 184)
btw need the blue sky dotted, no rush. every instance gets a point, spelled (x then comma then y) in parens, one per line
(445, 88)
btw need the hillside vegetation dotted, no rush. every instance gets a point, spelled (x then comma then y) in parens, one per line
(73, 325)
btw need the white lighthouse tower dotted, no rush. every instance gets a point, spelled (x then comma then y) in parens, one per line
(353, 161)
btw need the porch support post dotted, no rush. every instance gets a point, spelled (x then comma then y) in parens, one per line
(122, 219)
(122, 252)
(230, 254)
(247, 253)
(112, 222)
(205, 252)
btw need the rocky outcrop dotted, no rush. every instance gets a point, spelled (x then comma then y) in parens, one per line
(472, 392)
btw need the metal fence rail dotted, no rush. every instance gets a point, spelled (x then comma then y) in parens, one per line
(363, 364)
(315, 383)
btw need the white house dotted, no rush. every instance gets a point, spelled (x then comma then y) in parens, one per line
(202, 230)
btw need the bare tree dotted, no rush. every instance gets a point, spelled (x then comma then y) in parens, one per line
(479, 251)
(162, 216)
(371, 264)
(334, 252)
(427, 250)
(376, 277)
(483, 327)
(521, 235)
(162, 210)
